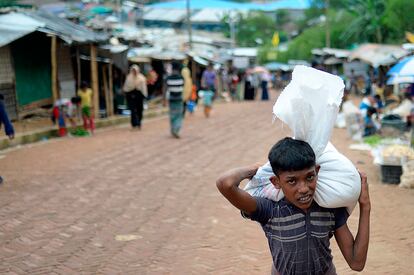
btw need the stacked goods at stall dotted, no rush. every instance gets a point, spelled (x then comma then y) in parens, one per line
(407, 178)
(309, 106)
(393, 157)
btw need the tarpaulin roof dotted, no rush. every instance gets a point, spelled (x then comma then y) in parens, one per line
(249, 52)
(338, 53)
(156, 53)
(201, 4)
(378, 54)
(211, 15)
(15, 25)
(167, 15)
(274, 66)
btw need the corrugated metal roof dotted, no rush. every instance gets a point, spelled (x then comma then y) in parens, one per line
(15, 25)
(167, 15)
(65, 29)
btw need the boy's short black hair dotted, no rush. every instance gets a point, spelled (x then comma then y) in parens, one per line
(290, 154)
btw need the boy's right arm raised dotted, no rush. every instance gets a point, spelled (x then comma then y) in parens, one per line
(229, 182)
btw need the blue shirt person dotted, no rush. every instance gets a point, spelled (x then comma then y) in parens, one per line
(4, 119)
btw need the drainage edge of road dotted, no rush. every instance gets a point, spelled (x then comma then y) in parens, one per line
(52, 131)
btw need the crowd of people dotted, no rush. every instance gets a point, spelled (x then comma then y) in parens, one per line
(175, 87)
(375, 108)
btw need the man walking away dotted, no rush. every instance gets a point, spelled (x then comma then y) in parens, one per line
(174, 86)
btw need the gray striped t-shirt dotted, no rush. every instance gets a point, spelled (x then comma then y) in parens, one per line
(299, 241)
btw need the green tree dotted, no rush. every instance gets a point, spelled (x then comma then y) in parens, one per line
(282, 17)
(252, 30)
(314, 37)
(398, 18)
(368, 20)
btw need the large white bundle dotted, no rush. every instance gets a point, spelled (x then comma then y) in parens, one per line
(309, 106)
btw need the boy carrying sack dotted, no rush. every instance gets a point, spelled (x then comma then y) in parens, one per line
(297, 228)
(300, 203)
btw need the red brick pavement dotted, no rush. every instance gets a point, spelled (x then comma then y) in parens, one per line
(64, 202)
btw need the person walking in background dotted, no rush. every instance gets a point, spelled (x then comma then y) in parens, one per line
(209, 79)
(234, 81)
(85, 94)
(207, 97)
(135, 88)
(188, 85)
(248, 86)
(4, 120)
(265, 78)
(152, 78)
(173, 92)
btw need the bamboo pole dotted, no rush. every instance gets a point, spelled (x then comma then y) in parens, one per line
(95, 81)
(78, 66)
(55, 92)
(111, 90)
(106, 89)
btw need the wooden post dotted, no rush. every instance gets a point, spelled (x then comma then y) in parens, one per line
(78, 66)
(193, 71)
(111, 90)
(55, 92)
(95, 81)
(106, 89)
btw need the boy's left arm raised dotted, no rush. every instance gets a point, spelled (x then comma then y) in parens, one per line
(228, 184)
(355, 250)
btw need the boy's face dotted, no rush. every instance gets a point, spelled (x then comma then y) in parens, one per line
(298, 186)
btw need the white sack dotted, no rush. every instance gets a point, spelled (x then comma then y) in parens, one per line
(309, 106)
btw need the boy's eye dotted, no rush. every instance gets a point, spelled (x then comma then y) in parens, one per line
(310, 178)
(291, 181)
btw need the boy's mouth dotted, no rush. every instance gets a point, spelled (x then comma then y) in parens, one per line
(305, 199)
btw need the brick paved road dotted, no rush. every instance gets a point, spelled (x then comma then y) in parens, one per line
(67, 205)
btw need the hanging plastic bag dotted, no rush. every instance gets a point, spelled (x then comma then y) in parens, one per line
(309, 106)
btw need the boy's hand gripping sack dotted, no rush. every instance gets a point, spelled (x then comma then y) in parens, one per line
(309, 106)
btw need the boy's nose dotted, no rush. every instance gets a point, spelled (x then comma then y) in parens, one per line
(303, 187)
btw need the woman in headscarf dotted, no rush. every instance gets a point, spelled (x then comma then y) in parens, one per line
(135, 88)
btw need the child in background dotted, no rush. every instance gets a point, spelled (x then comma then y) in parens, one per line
(85, 94)
(207, 96)
(379, 105)
(369, 125)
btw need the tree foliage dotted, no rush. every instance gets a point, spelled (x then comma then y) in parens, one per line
(350, 22)
(253, 29)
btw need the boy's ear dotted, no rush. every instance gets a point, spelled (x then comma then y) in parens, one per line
(275, 181)
(317, 168)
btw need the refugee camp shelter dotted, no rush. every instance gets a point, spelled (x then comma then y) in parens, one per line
(378, 56)
(36, 55)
